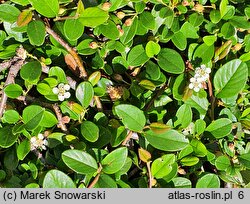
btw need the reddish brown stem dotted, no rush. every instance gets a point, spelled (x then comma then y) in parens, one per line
(129, 135)
(74, 54)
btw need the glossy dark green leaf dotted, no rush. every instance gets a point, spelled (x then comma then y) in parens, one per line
(179, 40)
(170, 140)
(245, 160)
(152, 49)
(184, 116)
(227, 30)
(90, 131)
(109, 30)
(189, 31)
(220, 128)
(171, 61)
(36, 32)
(85, 93)
(137, 56)
(230, 79)
(7, 138)
(49, 120)
(203, 54)
(32, 116)
(147, 20)
(153, 71)
(180, 182)
(115, 160)
(79, 161)
(13, 90)
(105, 181)
(59, 74)
(31, 71)
(132, 117)
(48, 8)
(10, 116)
(57, 179)
(189, 161)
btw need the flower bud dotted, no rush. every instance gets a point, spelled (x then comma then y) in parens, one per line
(93, 45)
(120, 15)
(199, 8)
(106, 6)
(128, 22)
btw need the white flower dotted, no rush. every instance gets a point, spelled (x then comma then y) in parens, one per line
(195, 84)
(189, 129)
(62, 91)
(202, 72)
(38, 142)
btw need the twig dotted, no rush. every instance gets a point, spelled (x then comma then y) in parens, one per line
(129, 135)
(212, 98)
(76, 57)
(60, 124)
(150, 175)
(10, 80)
(98, 103)
(92, 184)
(158, 93)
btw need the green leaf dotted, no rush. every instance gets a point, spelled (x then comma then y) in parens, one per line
(85, 93)
(32, 116)
(245, 160)
(147, 84)
(8, 13)
(204, 53)
(196, 19)
(129, 32)
(36, 32)
(105, 181)
(179, 40)
(13, 90)
(189, 31)
(23, 149)
(59, 74)
(90, 131)
(171, 61)
(223, 7)
(215, 16)
(153, 71)
(48, 8)
(10, 116)
(147, 20)
(115, 160)
(31, 71)
(109, 30)
(240, 22)
(7, 138)
(83, 47)
(152, 49)
(227, 30)
(49, 120)
(132, 117)
(137, 56)
(209, 39)
(93, 16)
(189, 161)
(220, 128)
(57, 179)
(170, 140)
(73, 29)
(208, 181)
(230, 79)
(199, 148)
(79, 161)
(184, 116)
(180, 182)
(162, 166)
(222, 163)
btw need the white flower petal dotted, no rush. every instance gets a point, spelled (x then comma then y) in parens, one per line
(192, 79)
(55, 90)
(45, 142)
(200, 79)
(208, 70)
(196, 89)
(43, 147)
(203, 66)
(60, 97)
(66, 95)
(40, 136)
(61, 85)
(66, 87)
(191, 86)
(33, 139)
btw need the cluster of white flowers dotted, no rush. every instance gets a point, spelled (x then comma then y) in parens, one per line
(201, 75)
(38, 142)
(62, 91)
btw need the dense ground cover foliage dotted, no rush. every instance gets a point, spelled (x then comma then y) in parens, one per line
(141, 93)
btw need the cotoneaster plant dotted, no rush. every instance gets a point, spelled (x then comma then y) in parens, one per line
(124, 94)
